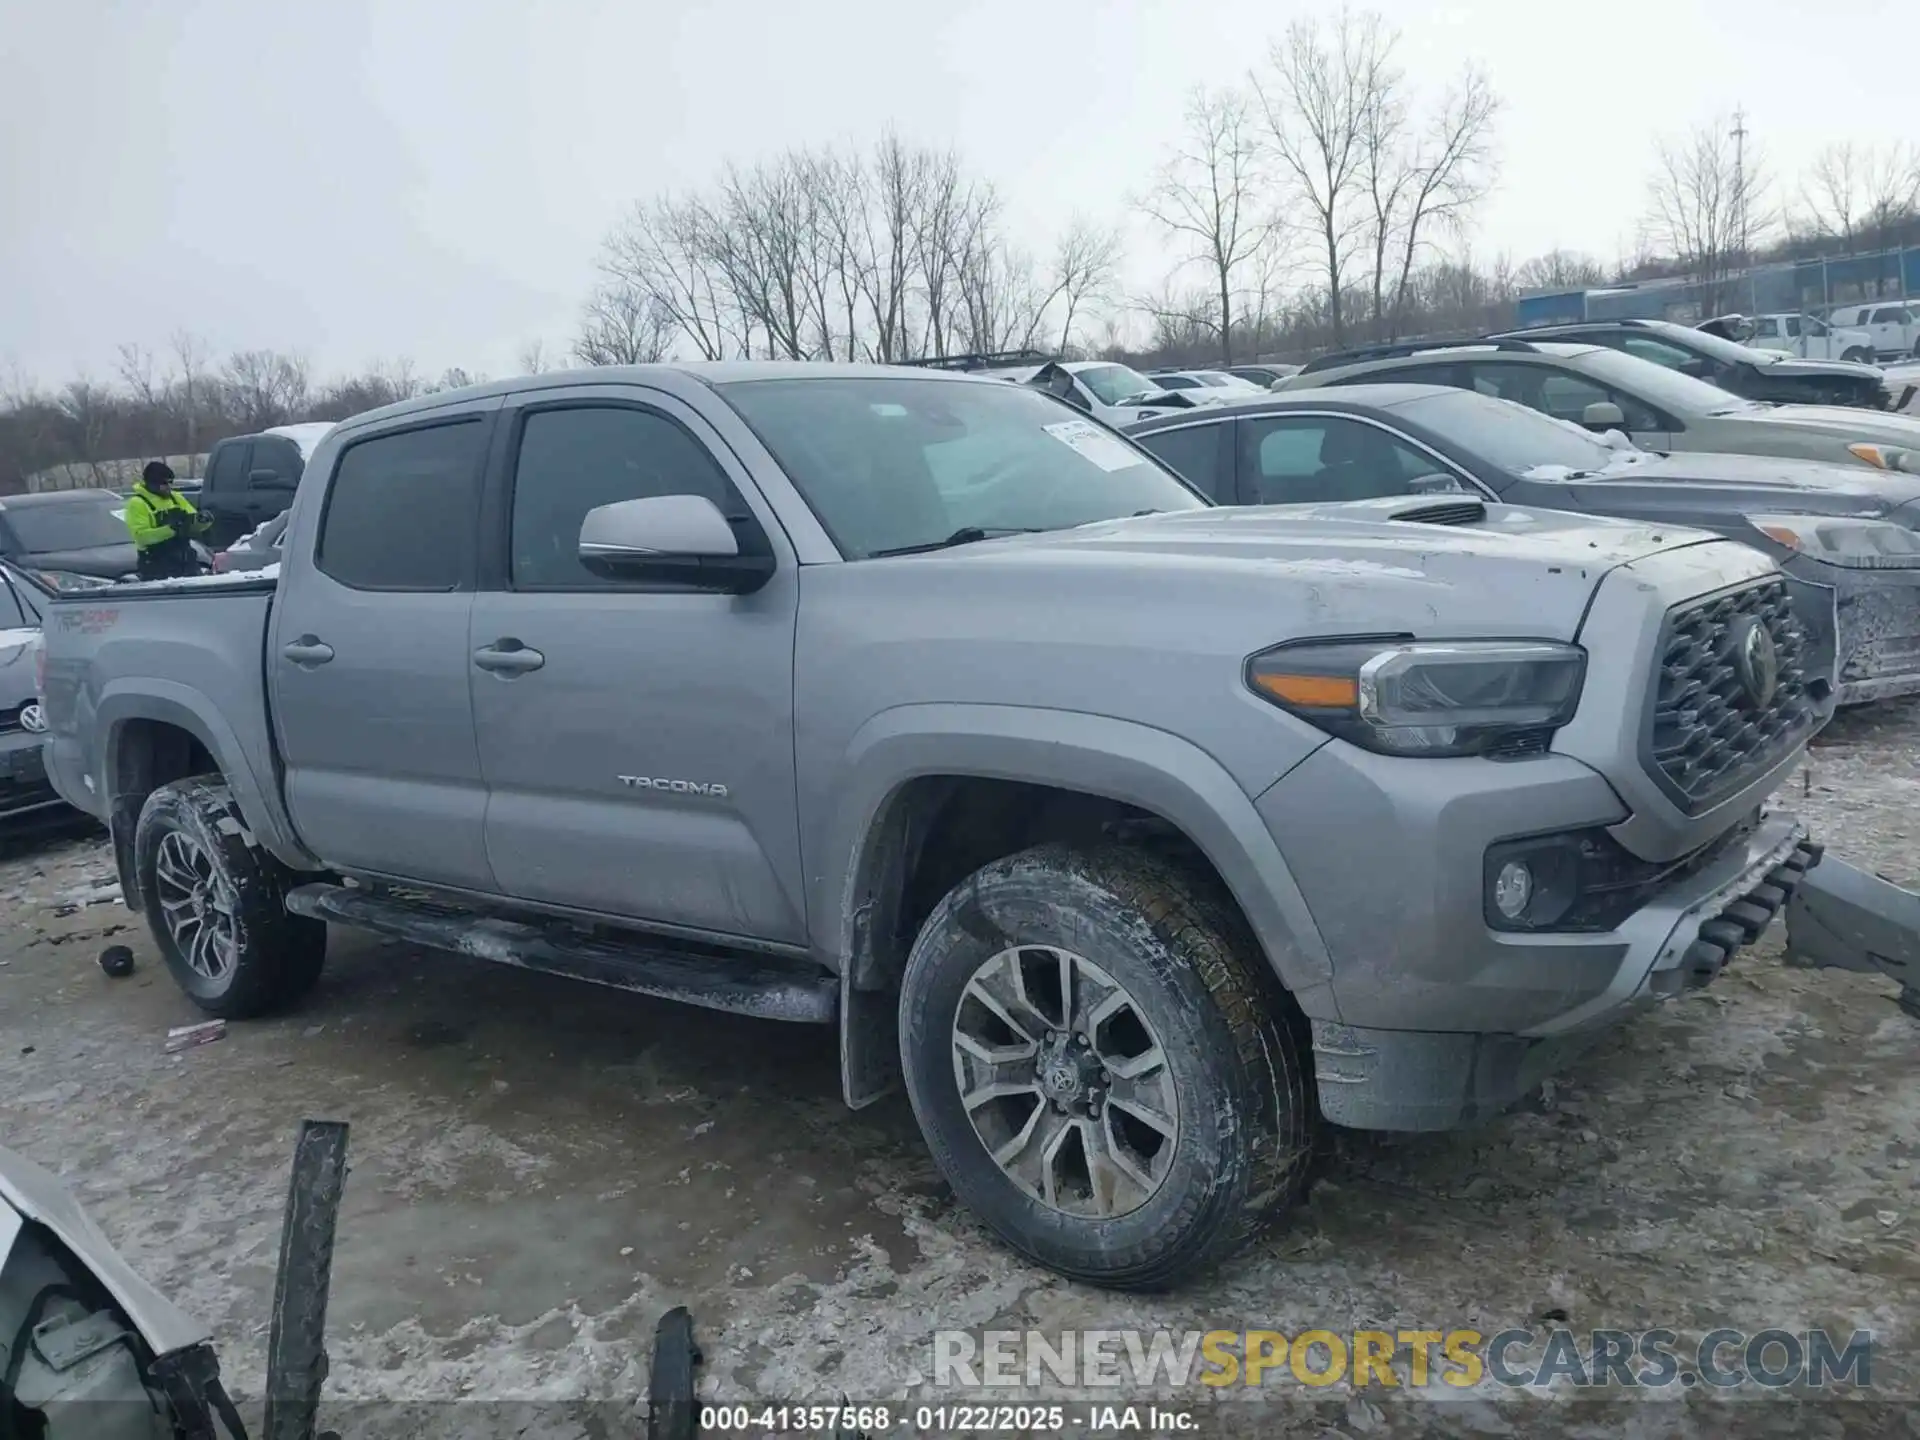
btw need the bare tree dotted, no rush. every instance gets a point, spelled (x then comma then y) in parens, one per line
(191, 356)
(533, 358)
(1854, 193)
(1318, 100)
(1706, 206)
(1560, 270)
(88, 407)
(1425, 178)
(1209, 196)
(264, 387)
(1083, 270)
(623, 325)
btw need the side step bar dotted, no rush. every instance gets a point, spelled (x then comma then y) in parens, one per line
(1842, 918)
(750, 986)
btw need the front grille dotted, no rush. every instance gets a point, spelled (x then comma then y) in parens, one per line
(1708, 733)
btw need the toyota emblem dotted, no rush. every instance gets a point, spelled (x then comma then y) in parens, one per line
(33, 719)
(1757, 663)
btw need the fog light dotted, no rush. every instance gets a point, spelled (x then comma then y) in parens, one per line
(1513, 889)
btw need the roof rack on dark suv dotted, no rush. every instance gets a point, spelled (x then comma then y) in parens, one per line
(1632, 322)
(989, 360)
(1406, 347)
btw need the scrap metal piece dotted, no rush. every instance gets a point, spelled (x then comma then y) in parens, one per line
(1842, 918)
(670, 1401)
(296, 1349)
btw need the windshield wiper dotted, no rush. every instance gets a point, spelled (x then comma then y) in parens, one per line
(965, 535)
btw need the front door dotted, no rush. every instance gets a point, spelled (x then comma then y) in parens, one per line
(639, 750)
(371, 677)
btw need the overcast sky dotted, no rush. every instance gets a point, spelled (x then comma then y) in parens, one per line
(366, 179)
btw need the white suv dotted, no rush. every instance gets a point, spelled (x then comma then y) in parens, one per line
(1893, 326)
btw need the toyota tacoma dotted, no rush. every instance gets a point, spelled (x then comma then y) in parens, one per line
(1136, 836)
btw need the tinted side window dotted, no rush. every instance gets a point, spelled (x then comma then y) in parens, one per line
(1194, 453)
(278, 455)
(1322, 458)
(574, 460)
(1671, 356)
(228, 470)
(400, 513)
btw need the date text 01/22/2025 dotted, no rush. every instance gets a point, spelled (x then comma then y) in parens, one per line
(875, 1420)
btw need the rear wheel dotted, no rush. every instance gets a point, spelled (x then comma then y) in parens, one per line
(1859, 356)
(1100, 1071)
(215, 902)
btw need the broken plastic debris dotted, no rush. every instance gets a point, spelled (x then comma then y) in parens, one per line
(182, 1037)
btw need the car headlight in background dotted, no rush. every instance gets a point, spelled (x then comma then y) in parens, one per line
(1886, 457)
(1398, 696)
(1850, 544)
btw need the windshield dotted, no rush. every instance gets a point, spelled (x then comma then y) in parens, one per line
(1175, 382)
(67, 525)
(1111, 384)
(887, 464)
(1663, 388)
(1509, 435)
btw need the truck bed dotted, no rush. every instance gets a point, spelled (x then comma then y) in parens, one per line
(104, 649)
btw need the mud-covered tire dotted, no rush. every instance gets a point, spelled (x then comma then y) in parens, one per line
(1234, 1048)
(277, 955)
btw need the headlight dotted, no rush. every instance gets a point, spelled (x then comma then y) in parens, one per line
(1850, 544)
(1502, 698)
(1886, 457)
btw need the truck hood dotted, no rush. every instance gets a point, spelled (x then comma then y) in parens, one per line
(1359, 565)
(1795, 365)
(1809, 486)
(1846, 422)
(36, 1196)
(106, 562)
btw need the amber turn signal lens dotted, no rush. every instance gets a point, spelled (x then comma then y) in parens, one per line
(1784, 536)
(1312, 692)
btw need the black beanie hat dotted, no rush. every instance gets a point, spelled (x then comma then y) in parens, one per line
(157, 472)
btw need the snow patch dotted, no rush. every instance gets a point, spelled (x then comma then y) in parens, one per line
(10, 638)
(234, 577)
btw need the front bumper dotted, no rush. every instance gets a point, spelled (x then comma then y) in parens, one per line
(1389, 1079)
(24, 788)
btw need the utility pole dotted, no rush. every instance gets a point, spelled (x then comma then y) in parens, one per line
(1740, 195)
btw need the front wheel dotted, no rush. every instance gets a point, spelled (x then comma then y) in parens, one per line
(216, 903)
(1098, 1069)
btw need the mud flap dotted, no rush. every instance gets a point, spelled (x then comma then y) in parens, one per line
(1842, 918)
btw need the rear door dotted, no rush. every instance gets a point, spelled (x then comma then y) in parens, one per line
(1300, 458)
(639, 757)
(223, 491)
(369, 656)
(273, 473)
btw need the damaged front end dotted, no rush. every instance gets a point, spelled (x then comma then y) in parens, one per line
(90, 1351)
(88, 1348)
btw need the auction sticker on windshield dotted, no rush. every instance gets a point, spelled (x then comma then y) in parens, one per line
(1104, 450)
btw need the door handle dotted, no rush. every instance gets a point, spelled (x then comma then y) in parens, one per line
(308, 650)
(508, 657)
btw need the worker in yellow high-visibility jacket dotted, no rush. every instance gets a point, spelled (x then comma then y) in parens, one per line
(163, 525)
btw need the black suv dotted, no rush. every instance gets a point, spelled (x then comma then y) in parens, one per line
(1751, 374)
(251, 478)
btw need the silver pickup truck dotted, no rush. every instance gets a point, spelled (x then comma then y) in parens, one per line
(1138, 836)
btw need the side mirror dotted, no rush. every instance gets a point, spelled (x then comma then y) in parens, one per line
(1603, 415)
(670, 539)
(268, 480)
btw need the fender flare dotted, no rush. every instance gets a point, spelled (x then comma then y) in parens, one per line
(1138, 765)
(171, 703)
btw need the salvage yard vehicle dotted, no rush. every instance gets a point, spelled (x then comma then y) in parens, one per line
(251, 478)
(1847, 538)
(1718, 359)
(1135, 835)
(24, 791)
(1894, 328)
(1809, 338)
(61, 534)
(1660, 409)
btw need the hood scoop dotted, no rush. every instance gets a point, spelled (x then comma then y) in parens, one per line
(1442, 512)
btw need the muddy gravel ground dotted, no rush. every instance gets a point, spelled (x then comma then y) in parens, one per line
(540, 1169)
